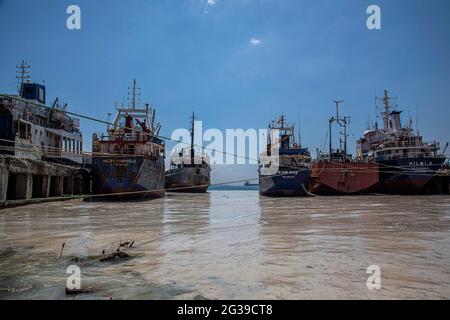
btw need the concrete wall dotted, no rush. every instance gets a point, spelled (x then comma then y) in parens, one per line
(26, 179)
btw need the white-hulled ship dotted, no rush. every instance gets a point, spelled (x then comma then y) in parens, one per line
(406, 162)
(128, 161)
(30, 129)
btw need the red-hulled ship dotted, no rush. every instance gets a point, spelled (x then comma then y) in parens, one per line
(336, 172)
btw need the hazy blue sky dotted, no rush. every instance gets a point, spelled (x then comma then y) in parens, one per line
(193, 55)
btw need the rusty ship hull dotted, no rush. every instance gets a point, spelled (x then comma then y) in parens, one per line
(343, 178)
(188, 180)
(128, 178)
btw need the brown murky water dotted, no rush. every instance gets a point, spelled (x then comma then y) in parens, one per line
(231, 245)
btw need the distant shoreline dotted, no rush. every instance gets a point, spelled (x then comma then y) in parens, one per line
(233, 188)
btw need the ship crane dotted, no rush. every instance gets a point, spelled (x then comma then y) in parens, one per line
(143, 125)
(445, 149)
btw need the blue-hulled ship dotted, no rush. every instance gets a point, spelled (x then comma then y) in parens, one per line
(128, 161)
(284, 168)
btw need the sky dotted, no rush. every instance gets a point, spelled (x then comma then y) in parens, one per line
(237, 63)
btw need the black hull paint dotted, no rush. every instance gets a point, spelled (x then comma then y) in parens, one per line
(407, 176)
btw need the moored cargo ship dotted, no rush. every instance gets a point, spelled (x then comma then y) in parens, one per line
(128, 161)
(189, 173)
(285, 167)
(337, 172)
(407, 163)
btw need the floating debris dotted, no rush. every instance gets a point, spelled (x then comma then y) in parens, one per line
(62, 248)
(79, 291)
(117, 256)
(7, 253)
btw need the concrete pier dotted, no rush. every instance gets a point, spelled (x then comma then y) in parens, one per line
(23, 187)
(24, 181)
(45, 189)
(59, 184)
(4, 176)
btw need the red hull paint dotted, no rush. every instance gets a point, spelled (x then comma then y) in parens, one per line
(331, 178)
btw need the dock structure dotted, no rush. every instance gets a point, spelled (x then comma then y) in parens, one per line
(25, 181)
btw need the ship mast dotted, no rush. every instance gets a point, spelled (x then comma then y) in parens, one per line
(340, 121)
(192, 138)
(299, 133)
(387, 108)
(330, 122)
(134, 92)
(22, 74)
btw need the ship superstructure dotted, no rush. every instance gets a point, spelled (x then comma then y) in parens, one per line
(407, 163)
(285, 166)
(128, 160)
(30, 129)
(190, 171)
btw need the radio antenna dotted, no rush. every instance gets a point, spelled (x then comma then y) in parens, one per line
(22, 74)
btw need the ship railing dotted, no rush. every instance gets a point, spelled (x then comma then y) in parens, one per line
(335, 156)
(406, 144)
(126, 137)
(51, 152)
(36, 110)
